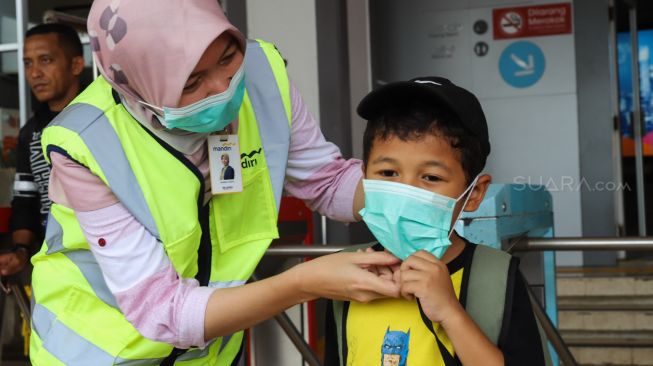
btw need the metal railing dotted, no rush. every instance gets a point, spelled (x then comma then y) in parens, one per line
(520, 244)
(600, 243)
(515, 245)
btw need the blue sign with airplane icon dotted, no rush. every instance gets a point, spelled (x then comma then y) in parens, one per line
(522, 64)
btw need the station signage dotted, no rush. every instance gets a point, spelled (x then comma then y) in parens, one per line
(532, 21)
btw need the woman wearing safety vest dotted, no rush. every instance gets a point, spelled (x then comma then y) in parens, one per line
(147, 249)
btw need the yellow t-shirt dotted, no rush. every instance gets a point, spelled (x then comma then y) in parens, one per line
(394, 332)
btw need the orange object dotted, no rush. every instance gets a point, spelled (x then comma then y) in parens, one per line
(628, 147)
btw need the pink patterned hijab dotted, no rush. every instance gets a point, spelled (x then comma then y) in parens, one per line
(147, 49)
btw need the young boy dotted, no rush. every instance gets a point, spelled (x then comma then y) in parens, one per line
(425, 145)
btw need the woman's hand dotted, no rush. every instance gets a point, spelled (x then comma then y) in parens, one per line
(386, 272)
(337, 276)
(359, 276)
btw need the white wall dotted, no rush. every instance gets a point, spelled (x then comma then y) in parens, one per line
(290, 25)
(533, 131)
(360, 73)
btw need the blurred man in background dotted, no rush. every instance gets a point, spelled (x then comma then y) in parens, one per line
(53, 59)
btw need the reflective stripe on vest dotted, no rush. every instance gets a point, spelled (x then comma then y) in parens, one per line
(83, 259)
(53, 235)
(66, 345)
(90, 269)
(103, 142)
(269, 109)
(196, 353)
(227, 284)
(199, 353)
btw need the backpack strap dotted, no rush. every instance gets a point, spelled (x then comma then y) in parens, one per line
(545, 344)
(489, 281)
(339, 309)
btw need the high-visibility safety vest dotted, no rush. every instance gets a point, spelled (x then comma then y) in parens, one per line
(76, 320)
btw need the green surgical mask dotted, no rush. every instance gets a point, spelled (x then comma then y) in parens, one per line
(210, 114)
(405, 219)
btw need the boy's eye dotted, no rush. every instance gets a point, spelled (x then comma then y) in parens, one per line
(388, 173)
(431, 178)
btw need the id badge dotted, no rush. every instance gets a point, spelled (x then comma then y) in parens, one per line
(224, 164)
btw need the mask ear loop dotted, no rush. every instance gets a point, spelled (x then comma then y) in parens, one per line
(157, 112)
(152, 107)
(468, 190)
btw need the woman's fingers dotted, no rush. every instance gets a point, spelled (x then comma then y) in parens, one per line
(372, 287)
(396, 275)
(348, 276)
(379, 282)
(385, 272)
(372, 269)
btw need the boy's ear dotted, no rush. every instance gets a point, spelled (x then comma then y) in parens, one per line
(478, 192)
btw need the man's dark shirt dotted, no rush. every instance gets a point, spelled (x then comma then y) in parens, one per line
(31, 204)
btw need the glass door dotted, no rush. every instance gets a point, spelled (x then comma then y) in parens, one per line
(633, 23)
(11, 102)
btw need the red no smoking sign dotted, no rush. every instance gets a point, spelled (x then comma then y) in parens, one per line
(532, 21)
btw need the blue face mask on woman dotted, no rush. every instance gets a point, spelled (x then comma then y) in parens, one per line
(210, 114)
(405, 219)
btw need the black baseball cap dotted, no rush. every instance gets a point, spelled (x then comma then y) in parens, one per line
(430, 89)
